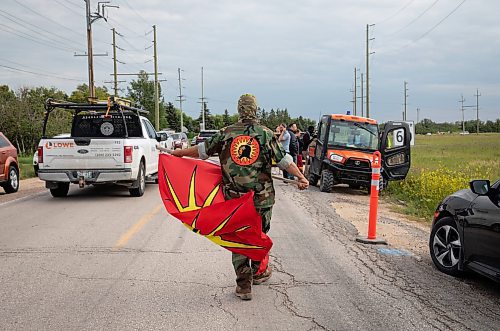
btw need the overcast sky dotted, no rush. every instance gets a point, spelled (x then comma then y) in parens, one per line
(295, 54)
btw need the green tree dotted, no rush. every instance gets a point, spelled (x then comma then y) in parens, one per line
(81, 93)
(173, 117)
(209, 120)
(142, 91)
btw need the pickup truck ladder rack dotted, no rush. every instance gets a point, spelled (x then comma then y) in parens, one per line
(115, 104)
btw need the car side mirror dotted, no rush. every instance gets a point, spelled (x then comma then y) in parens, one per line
(480, 187)
(161, 137)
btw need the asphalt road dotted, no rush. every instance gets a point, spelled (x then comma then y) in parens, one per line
(101, 260)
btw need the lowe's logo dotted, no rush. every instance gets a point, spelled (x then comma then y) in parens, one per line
(51, 145)
(82, 151)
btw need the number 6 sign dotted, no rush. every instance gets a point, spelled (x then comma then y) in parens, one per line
(398, 137)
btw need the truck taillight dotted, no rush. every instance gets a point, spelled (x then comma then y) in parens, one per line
(40, 154)
(127, 155)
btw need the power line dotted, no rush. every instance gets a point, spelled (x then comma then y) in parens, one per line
(18, 21)
(33, 38)
(39, 73)
(139, 15)
(418, 17)
(35, 69)
(397, 13)
(48, 18)
(435, 26)
(68, 8)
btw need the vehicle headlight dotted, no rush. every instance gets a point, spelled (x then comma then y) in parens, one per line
(396, 159)
(336, 158)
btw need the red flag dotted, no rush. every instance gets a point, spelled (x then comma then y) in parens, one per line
(192, 192)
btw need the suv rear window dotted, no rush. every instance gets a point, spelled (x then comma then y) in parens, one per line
(97, 126)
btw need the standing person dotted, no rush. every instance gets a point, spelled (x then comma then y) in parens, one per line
(306, 140)
(300, 163)
(246, 150)
(284, 139)
(294, 145)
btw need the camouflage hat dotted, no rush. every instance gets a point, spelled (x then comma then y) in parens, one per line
(247, 107)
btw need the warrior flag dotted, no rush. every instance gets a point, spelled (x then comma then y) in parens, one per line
(191, 191)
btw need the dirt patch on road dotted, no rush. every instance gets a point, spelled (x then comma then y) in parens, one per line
(26, 187)
(399, 231)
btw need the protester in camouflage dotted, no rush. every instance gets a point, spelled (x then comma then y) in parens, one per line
(246, 151)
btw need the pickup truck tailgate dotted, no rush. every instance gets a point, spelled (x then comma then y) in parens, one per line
(82, 153)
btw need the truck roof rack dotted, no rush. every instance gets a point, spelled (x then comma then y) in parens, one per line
(112, 104)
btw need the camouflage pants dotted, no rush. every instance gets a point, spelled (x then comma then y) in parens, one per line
(241, 260)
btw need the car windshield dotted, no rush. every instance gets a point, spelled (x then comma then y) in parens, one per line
(176, 136)
(355, 135)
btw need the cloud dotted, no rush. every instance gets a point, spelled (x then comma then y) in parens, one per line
(299, 55)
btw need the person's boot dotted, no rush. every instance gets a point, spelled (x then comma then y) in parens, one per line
(244, 283)
(263, 276)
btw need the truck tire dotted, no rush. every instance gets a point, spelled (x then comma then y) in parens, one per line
(12, 184)
(61, 191)
(140, 183)
(327, 181)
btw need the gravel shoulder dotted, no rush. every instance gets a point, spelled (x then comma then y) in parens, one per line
(27, 187)
(397, 229)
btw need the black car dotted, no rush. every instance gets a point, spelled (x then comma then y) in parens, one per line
(466, 231)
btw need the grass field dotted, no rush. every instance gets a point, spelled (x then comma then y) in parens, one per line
(443, 164)
(26, 165)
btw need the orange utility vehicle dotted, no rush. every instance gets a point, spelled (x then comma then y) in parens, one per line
(343, 149)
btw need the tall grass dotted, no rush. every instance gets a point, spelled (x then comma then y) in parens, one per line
(445, 164)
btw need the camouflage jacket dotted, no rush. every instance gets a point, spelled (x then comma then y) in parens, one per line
(246, 151)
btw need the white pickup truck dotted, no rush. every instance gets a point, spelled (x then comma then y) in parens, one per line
(109, 143)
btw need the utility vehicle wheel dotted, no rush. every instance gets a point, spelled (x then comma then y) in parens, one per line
(312, 178)
(61, 191)
(327, 181)
(12, 184)
(445, 246)
(141, 183)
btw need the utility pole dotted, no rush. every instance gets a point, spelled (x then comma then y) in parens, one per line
(355, 88)
(157, 104)
(181, 98)
(418, 115)
(406, 99)
(368, 70)
(362, 97)
(203, 104)
(115, 76)
(90, 53)
(462, 100)
(477, 95)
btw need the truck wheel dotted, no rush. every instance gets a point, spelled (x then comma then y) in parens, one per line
(61, 191)
(12, 184)
(141, 183)
(327, 181)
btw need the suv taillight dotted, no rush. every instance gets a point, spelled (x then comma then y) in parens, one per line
(40, 154)
(127, 154)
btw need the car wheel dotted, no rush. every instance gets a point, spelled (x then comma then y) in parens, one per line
(327, 181)
(445, 246)
(141, 183)
(60, 191)
(12, 184)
